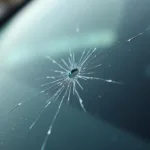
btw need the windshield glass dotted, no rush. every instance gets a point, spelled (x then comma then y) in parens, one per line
(76, 75)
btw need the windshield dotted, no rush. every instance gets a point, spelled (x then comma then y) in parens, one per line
(76, 75)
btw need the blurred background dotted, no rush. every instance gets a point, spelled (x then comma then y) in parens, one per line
(8, 8)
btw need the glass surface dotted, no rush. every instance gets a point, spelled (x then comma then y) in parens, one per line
(76, 75)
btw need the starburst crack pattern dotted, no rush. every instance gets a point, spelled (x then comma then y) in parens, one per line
(67, 83)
